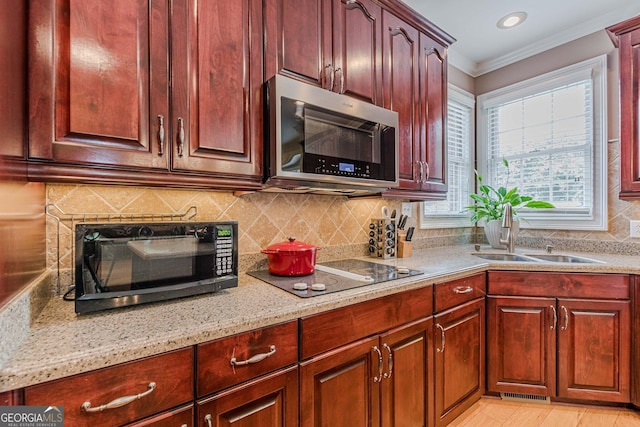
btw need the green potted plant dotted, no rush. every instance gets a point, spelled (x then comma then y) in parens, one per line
(489, 206)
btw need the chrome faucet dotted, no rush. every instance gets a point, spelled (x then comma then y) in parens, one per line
(507, 222)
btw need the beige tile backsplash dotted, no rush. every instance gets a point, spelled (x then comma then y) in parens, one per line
(263, 218)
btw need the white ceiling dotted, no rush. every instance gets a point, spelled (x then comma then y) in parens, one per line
(482, 47)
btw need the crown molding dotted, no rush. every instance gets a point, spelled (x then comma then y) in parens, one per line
(476, 69)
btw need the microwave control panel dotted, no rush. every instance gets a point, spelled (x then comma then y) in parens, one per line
(225, 249)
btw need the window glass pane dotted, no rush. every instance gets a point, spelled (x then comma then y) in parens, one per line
(548, 139)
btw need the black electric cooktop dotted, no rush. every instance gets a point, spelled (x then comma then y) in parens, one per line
(336, 276)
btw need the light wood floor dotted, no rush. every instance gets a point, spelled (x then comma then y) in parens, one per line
(493, 412)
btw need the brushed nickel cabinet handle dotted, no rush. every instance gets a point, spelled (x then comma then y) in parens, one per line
(339, 70)
(380, 367)
(426, 178)
(207, 419)
(160, 135)
(421, 173)
(462, 289)
(555, 317)
(566, 318)
(120, 401)
(329, 70)
(253, 359)
(441, 349)
(180, 137)
(389, 361)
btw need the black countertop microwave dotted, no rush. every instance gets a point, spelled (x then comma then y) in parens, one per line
(121, 264)
(321, 140)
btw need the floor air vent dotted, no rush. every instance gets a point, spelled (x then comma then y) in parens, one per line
(519, 397)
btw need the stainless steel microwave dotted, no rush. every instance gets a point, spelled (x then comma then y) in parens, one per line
(122, 264)
(321, 140)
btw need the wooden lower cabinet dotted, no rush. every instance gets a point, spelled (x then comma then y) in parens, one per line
(384, 380)
(521, 345)
(270, 401)
(459, 356)
(594, 350)
(575, 349)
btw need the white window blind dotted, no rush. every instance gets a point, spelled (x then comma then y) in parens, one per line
(460, 157)
(551, 130)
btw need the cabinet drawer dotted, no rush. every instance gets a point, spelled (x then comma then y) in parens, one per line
(179, 417)
(571, 285)
(278, 343)
(456, 292)
(172, 374)
(332, 329)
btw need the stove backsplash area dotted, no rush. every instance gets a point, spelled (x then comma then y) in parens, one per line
(337, 224)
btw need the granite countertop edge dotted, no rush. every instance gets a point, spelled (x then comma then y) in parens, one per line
(61, 343)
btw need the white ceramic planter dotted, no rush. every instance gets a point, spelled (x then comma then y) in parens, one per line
(494, 232)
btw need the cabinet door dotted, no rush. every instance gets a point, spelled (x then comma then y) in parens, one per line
(216, 86)
(629, 68)
(13, 85)
(339, 388)
(521, 345)
(98, 82)
(459, 359)
(357, 49)
(271, 401)
(433, 114)
(594, 350)
(407, 384)
(402, 94)
(296, 39)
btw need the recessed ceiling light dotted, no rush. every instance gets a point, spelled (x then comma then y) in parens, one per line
(511, 20)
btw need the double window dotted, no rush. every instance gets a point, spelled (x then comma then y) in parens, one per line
(552, 130)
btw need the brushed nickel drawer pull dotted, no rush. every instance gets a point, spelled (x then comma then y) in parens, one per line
(390, 361)
(441, 349)
(462, 289)
(421, 173)
(180, 137)
(380, 368)
(253, 359)
(329, 70)
(117, 403)
(426, 166)
(160, 135)
(555, 317)
(207, 418)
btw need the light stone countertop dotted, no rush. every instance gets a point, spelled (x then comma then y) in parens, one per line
(61, 343)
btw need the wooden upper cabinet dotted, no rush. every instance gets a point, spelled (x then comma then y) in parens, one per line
(357, 49)
(402, 94)
(415, 86)
(295, 46)
(217, 86)
(626, 36)
(13, 84)
(433, 113)
(334, 44)
(98, 79)
(142, 91)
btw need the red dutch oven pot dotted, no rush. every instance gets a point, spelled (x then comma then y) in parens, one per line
(291, 258)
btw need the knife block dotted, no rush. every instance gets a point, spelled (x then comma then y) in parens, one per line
(404, 247)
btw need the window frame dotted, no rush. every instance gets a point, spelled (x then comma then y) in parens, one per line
(461, 220)
(558, 219)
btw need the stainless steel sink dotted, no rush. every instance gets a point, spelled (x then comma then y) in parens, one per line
(564, 258)
(505, 257)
